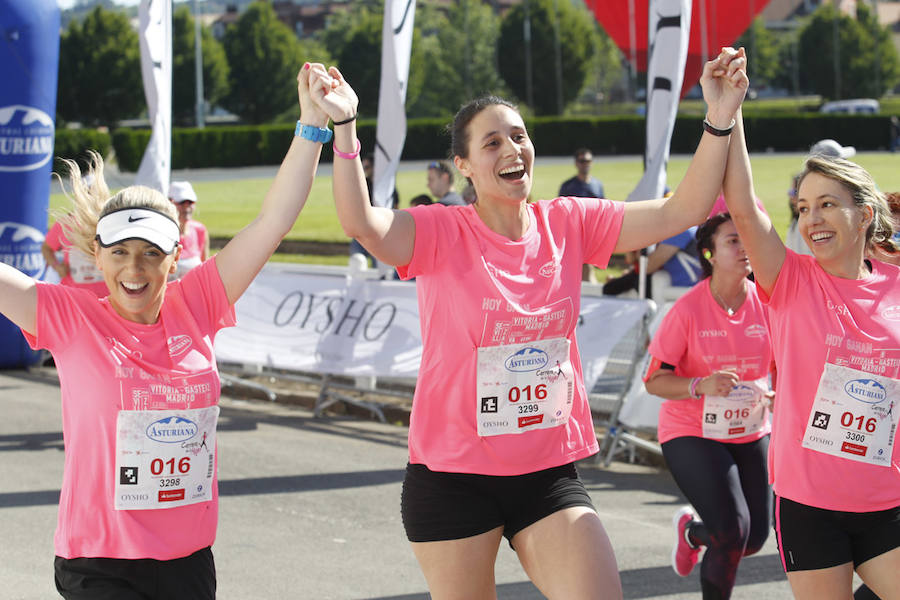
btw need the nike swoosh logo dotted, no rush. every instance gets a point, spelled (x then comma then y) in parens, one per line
(133, 219)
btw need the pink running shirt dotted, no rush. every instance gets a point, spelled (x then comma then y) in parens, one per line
(93, 278)
(478, 288)
(817, 318)
(698, 337)
(193, 240)
(107, 364)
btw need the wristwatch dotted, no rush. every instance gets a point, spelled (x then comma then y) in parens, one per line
(313, 134)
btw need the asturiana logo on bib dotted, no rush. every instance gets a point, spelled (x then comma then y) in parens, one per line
(26, 138)
(866, 390)
(20, 247)
(741, 392)
(171, 430)
(527, 359)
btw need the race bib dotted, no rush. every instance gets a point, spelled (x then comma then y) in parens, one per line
(742, 412)
(165, 458)
(524, 386)
(186, 264)
(82, 268)
(854, 415)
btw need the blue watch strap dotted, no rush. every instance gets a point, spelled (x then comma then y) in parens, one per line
(313, 134)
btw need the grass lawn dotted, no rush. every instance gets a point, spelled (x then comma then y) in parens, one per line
(227, 206)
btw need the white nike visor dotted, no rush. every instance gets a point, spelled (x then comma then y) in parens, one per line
(139, 224)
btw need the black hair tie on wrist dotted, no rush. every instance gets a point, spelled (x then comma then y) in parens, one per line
(345, 121)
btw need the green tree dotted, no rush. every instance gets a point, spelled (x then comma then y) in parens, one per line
(762, 52)
(99, 70)
(883, 73)
(264, 56)
(354, 39)
(576, 44)
(605, 73)
(215, 67)
(459, 51)
(867, 63)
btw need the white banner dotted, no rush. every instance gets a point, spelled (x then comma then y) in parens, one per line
(390, 132)
(669, 25)
(155, 32)
(300, 318)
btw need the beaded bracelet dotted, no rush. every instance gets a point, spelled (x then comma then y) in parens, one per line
(693, 388)
(347, 155)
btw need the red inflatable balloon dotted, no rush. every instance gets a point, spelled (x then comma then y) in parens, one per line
(723, 22)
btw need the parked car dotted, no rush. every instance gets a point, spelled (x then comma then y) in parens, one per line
(857, 106)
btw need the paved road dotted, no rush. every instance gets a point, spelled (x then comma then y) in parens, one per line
(310, 509)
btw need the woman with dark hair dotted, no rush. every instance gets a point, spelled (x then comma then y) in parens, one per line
(835, 326)
(500, 413)
(711, 360)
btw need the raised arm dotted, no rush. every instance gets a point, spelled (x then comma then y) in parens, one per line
(724, 83)
(18, 297)
(243, 257)
(764, 248)
(387, 234)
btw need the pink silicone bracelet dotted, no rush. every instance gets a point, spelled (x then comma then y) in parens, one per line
(693, 389)
(345, 155)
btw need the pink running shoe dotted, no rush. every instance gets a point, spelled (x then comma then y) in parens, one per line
(684, 554)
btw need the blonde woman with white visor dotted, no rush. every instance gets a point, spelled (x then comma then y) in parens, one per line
(137, 370)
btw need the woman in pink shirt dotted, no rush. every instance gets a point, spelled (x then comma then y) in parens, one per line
(194, 237)
(711, 359)
(500, 413)
(140, 388)
(835, 327)
(76, 268)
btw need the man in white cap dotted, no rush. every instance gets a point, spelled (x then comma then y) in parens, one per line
(194, 237)
(830, 147)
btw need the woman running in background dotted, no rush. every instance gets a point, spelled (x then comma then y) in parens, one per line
(711, 360)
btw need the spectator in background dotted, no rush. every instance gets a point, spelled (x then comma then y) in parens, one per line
(793, 239)
(893, 200)
(74, 267)
(368, 165)
(672, 263)
(583, 186)
(420, 200)
(440, 183)
(829, 147)
(895, 133)
(194, 237)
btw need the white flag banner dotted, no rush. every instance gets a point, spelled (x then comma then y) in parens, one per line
(669, 23)
(390, 132)
(155, 32)
(308, 319)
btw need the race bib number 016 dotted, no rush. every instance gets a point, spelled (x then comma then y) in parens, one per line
(854, 416)
(742, 412)
(164, 458)
(524, 386)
